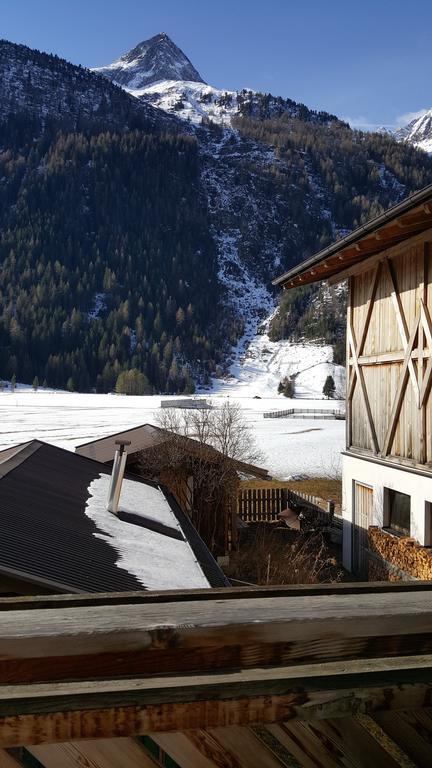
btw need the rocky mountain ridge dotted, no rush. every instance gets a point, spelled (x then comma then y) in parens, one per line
(148, 62)
(418, 132)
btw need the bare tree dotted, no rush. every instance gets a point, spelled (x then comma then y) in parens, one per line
(224, 429)
(203, 448)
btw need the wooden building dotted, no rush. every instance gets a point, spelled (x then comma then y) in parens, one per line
(203, 480)
(387, 464)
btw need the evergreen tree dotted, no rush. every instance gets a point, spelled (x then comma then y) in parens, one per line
(287, 387)
(35, 384)
(13, 383)
(329, 387)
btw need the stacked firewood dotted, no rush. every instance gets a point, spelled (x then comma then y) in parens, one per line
(401, 552)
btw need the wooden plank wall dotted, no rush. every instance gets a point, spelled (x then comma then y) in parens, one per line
(387, 303)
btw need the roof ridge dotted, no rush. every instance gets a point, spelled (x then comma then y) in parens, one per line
(18, 458)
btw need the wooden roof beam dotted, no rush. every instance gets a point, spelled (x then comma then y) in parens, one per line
(108, 709)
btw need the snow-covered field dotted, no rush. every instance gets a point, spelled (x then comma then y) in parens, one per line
(291, 446)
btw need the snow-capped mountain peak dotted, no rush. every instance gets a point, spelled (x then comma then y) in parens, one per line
(149, 62)
(418, 132)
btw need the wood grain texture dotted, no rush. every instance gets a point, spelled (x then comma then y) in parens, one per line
(35, 715)
(127, 640)
(390, 308)
(103, 753)
(412, 731)
(332, 743)
(6, 761)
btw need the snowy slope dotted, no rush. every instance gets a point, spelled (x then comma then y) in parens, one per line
(263, 364)
(190, 100)
(418, 132)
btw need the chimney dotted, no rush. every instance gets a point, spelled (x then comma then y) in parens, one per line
(117, 475)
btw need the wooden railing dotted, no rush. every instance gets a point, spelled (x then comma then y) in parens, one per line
(102, 666)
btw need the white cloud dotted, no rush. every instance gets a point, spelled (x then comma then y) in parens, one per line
(362, 123)
(408, 117)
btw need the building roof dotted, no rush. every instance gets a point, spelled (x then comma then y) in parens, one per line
(147, 436)
(56, 532)
(410, 217)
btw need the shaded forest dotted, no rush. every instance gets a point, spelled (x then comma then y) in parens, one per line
(343, 178)
(107, 263)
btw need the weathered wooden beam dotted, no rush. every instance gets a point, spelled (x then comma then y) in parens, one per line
(105, 599)
(332, 743)
(400, 392)
(356, 267)
(361, 342)
(53, 713)
(128, 640)
(386, 358)
(412, 731)
(99, 753)
(365, 396)
(6, 761)
(382, 250)
(402, 326)
(348, 406)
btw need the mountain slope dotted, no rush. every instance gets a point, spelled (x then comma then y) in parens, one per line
(152, 60)
(153, 248)
(45, 88)
(418, 132)
(106, 263)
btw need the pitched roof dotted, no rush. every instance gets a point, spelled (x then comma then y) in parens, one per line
(409, 217)
(55, 530)
(146, 436)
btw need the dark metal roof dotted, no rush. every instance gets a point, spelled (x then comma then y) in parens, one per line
(406, 206)
(46, 537)
(214, 575)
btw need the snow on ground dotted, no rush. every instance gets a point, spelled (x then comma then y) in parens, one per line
(292, 447)
(265, 363)
(190, 100)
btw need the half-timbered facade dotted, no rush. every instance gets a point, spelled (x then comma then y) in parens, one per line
(387, 464)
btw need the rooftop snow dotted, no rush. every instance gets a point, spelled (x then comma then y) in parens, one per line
(158, 562)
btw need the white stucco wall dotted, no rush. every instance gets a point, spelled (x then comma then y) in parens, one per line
(378, 476)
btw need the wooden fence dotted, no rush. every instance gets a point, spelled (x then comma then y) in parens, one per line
(305, 413)
(263, 505)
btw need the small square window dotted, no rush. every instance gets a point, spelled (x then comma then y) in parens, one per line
(399, 512)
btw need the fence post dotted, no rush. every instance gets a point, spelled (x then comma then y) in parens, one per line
(330, 509)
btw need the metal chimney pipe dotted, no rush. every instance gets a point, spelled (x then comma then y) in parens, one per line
(117, 476)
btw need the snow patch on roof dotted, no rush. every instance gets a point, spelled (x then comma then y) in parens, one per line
(158, 562)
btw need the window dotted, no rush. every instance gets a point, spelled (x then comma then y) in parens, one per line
(399, 511)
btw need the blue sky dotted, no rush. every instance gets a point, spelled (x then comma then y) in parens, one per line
(369, 61)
